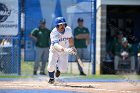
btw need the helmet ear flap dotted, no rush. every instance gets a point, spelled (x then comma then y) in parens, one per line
(57, 26)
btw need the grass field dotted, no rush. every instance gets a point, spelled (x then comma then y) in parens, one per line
(27, 70)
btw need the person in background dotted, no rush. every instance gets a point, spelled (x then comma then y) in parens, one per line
(41, 36)
(116, 40)
(81, 41)
(124, 51)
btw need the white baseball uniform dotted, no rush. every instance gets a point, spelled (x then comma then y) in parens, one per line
(59, 57)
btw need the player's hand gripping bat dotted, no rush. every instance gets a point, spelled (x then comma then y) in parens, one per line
(77, 57)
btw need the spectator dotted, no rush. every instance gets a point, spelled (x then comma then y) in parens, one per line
(41, 36)
(81, 40)
(124, 51)
(116, 40)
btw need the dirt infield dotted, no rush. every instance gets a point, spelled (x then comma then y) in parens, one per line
(93, 87)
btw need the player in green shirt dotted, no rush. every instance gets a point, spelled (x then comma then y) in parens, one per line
(116, 40)
(41, 36)
(81, 41)
(124, 51)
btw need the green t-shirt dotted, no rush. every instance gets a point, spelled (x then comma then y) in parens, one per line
(113, 44)
(119, 49)
(43, 37)
(80, 43)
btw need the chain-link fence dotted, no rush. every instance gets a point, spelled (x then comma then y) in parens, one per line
(9, 56)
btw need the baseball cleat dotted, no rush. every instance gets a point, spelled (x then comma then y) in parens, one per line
(83, 74)
(35, 73)
(42, 73)
(57, 73)
(51, 81)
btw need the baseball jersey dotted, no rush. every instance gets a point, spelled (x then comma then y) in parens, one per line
(80, 43)
(120, 48)
(43, 37)
(60, 38)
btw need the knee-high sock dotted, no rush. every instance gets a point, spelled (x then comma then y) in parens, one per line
(51, 75)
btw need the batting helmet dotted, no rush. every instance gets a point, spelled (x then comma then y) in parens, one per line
(60, 20)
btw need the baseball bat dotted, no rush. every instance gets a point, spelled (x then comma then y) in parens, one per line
(79, 61)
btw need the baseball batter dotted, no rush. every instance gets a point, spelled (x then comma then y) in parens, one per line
(62, 44)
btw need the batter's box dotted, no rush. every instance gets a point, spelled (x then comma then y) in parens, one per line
(74, 84)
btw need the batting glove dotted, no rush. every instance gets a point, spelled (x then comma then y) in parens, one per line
(70, 51)
(74, 49)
